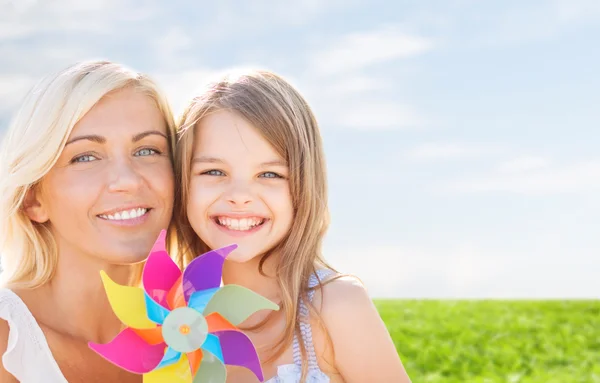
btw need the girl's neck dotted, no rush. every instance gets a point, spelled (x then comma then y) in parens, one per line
(74, 302)
(247, 275)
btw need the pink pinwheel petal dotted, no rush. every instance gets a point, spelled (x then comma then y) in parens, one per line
(205, 272)
(160, 272)
(130, 352)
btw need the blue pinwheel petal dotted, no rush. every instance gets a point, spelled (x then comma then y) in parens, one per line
(213, 345)
(200, 299)
(171, 357)
(156, 313)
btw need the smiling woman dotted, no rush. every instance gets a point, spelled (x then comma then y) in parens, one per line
(86, 184)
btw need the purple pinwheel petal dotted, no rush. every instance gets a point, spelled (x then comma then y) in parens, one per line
(238, 350)
(205, 272)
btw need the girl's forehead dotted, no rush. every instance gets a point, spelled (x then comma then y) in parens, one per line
(227, 133)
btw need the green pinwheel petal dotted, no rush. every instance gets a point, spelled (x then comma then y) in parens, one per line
(211, 370)
(236, 303)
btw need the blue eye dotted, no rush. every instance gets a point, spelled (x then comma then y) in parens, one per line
(84, 158)
(214, 172)
(146, 152)
(270, 175)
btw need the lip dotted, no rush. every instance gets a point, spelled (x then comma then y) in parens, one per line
(128, 222)
(239, 233)
(239, 215)
(124, 208)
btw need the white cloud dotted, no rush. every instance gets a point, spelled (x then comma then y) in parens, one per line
(13, 89)
(523, 164)
(468, 270)
(528, 22)
(374, 115)
(33, 17)
(581, 177)
(358, 51)
(434, 151)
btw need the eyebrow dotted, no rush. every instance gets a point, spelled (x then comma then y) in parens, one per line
(102, 140)
(214, 160)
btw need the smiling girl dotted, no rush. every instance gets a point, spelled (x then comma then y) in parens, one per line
(251, 169)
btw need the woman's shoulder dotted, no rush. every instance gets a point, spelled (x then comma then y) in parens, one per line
(22, 342)
(13, 328)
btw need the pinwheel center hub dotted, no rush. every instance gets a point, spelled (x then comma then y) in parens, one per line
(185, 329)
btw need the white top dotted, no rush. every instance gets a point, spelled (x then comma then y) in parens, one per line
(28, 357)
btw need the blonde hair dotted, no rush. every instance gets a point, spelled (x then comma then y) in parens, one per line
(31, 147)
(286, 121)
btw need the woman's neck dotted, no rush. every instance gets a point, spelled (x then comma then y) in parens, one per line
(74, 302)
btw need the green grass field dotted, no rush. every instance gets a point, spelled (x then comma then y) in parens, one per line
(496, 341)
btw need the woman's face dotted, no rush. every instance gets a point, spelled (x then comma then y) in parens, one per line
(111, 191)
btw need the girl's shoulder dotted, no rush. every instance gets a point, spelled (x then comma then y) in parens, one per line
(361, 345)
(329, 286)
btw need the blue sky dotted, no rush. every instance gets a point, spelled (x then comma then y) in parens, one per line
(461, 136)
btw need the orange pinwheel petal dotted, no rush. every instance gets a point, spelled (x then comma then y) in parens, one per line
(151, 336)
(175, 297)
(195, 359)
(216, 322)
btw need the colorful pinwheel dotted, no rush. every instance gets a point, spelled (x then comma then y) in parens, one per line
(181, 327)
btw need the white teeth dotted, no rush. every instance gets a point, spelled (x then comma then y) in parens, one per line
(124, 215)
(240, 224)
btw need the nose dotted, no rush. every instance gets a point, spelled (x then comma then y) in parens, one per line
(239, 194)
(124, 177)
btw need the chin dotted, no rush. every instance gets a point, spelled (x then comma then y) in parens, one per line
(127, 255)
(241, 257)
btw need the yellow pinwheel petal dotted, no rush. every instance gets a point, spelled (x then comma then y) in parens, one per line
(128, 303)
(175, 373)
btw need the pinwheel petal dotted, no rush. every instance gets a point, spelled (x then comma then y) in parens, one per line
(216, 322)
(205, 272)
(195, 358)
(175, 298)
(127, 302)
(236, 303)
(238, 350)
(212, 345)
(171, 356)
(160, 272)
(156, 313)
(211, 370)
(128, 351)
(174, 373)
(200, 299)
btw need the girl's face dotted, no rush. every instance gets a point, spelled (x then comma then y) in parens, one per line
(239, 190)
(112, 189)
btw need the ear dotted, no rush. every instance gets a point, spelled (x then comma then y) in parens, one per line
(33, 207)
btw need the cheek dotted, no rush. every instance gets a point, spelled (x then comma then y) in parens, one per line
(201, 196)
(280, 202)
(162, 180)
(71, 192)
